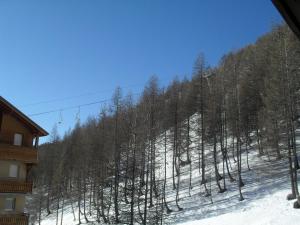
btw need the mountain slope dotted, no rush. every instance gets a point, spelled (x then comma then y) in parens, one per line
(266, 187)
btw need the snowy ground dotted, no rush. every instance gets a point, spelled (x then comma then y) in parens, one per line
(272, 209)
(265, 202)
(266, 187)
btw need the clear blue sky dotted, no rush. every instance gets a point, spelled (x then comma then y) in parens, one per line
(57, 49)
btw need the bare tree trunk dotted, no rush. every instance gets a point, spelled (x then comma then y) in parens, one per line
(238, 130)
(62, 208)
(217, 174)
(102, 204)
(48, 199)
(126, 175)
(57, 208)
(133, 183)
(146, 191)
(165, 174)
(258, 138)
(84, 199)
(203, 180)
(40, 208)
(293, 194)
(117, 165)
(79, 198)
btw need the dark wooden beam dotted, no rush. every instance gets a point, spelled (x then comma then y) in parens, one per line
(1, 116)
(290, 11)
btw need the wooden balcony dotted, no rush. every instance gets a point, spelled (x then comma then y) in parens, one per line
(21, 219)
(15, 187)
(19, 153)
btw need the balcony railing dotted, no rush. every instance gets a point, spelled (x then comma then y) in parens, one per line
(15, 187)
(21, 219)
(19, 153)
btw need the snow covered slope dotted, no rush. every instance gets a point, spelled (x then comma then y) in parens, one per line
(265, 202)
(273, 209)
(266, 187)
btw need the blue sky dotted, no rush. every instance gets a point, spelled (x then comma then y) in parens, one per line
(52, 50)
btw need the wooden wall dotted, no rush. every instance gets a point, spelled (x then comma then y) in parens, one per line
(10, 126)
(20, 203)
(4, 170)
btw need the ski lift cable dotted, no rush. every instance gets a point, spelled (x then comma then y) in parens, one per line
(78, 96)
(74, 96)
(74, 107)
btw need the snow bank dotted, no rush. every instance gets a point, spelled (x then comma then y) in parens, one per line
(271, 210)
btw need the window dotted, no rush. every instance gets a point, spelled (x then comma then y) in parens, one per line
(13, 170)
(10, 204)
(18, 139)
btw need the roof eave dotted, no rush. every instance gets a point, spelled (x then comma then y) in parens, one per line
(290, 11)
(39, 130)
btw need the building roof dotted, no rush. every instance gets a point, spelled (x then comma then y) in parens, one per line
(12, 110)
(290, 11)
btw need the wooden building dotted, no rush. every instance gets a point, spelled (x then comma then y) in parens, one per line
(19, 138)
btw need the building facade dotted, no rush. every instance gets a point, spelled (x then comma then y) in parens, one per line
(19, 137)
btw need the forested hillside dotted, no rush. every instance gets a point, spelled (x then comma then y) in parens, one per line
(131, 163)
